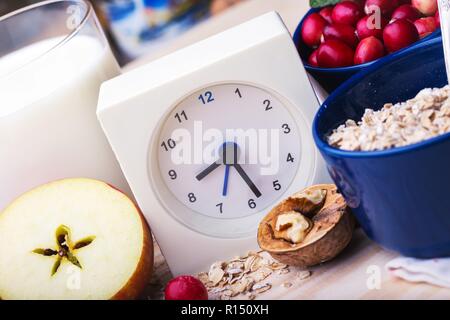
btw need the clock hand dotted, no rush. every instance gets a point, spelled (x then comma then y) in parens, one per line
(207, 171)
(225, 181)
(247, 180)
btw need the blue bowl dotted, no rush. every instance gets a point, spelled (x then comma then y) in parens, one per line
(331, 78)
(400, 196)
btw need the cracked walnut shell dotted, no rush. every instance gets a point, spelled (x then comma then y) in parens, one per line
(330, 232)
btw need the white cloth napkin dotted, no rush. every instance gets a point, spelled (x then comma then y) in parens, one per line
(433, 271)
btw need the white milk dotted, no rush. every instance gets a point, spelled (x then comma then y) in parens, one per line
(48, 124)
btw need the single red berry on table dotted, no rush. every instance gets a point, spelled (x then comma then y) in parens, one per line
(407, 12)
(312, 29)
(342, 32)
(399, 34)
(425, 26)
(347, 12)
(369, 49)
(371, 26)
(186, 288)
(334, 54)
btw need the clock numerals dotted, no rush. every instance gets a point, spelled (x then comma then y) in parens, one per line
(207, 97)
(168, 145)
(220, 206)
(192, 197)
(290, 158)
(268, 104)
(252, 204)
(276, 185)
(238, 92)
(173, 174)
(181, 116)
(286, 128)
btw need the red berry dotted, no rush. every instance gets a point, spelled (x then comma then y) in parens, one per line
(399, 34)
(326, 14)
(385, 7)
(342, 32)
(427, 7)
(371, 26)
(186, 288)
(346, 12)
(425, 26)
(369, 49)
(406, 12)
(312, 29)
(334, 54)
(312, 60)
(437, 17)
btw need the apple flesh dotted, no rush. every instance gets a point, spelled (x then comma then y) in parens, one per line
(117, 264)
(334, 54)
(342, 32)
(312, 29)
(426, 7)
(369, 49)
(399, 34)
(425, 26)
(346, 12)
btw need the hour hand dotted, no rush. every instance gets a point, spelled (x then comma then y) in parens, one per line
(207, 171)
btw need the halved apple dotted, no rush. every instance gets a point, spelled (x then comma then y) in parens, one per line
(74, 239)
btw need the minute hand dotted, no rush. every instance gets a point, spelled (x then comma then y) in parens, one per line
(247, 180)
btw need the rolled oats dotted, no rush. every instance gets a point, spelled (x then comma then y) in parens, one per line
(418, 119)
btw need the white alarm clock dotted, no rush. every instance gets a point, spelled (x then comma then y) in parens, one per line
(211, 137)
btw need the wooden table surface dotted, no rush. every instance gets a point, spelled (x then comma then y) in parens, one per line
(346, 277)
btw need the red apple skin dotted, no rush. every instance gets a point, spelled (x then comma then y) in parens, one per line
(426, 7)
(425, 26)
(399, 34)
(186, 288)
(326, 14)
(364, 29)
(346, 12)
(369, 49)
(312, 29)
(437, 17)
(407, 12)
(386, 6)
(335, 54)
(312, 60)
(342, 32)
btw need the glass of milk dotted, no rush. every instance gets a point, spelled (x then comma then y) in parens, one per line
(53, 59)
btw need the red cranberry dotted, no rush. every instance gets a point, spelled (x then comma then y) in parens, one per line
(371, 26)
(342, 32)
(399, 34)
(312, 29)
(347, 12)
(334, 54)
(425, 26)
(407, 12)
(185, 288)
(369, 49)
(427, 7)
(326, 14)
(312, 60)
(386, 7)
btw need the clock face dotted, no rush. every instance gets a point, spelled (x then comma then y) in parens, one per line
(229, 151)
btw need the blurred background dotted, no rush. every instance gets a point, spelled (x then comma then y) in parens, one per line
(137, 27)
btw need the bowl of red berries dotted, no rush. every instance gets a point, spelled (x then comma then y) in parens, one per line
(336, 39)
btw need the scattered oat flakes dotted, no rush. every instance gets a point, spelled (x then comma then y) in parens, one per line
(304, 274)
(287, 284)
(418, 119)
